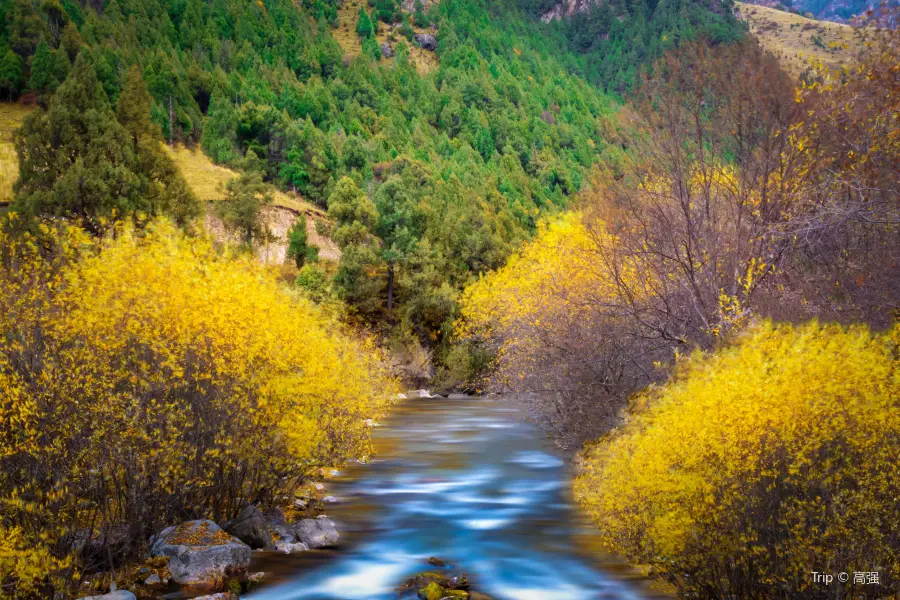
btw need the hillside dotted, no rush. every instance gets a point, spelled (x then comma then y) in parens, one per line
(797, 41)
(345, 34)
(837, 11)
(616, 38)
(11, 116)
(207, 180)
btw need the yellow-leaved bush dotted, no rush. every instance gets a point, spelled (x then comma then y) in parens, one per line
(146, 378)
(552, 319)
(759, 464)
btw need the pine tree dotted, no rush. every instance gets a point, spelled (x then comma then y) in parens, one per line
(298, 244)
(364, 27)
(11, 75)
(80, 159)
(24, 27)
(397, 229)
(166, 188)
(242, 209)
(75, 159)
(355, 218)
(43, 78)
(219, 138)
(419, 16)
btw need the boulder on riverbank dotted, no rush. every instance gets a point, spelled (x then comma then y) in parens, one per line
(252, 528)
(286, 547)
(316, 533)
(118, 595)
(201, 554)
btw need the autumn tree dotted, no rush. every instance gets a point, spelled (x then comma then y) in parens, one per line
(756, 461)
(668, 258)
(160, 379)
(847, 148)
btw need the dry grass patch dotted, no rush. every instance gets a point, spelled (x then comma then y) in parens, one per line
(208, 180)
(796, 40)
(11, 116)
(345, 33)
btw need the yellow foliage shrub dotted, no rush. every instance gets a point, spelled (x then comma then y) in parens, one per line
(759, 464)
(551, 319)
(145, 379)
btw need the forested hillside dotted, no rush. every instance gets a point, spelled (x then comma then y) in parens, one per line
(626, 212)
(458, 162)
(616, 38)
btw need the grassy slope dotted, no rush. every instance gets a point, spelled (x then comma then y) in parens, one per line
(11, 116)
(208, 179)
(205, 178)
(790, 38)
(345, 34)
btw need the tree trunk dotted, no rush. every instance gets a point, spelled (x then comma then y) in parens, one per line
(171, 119)
(390, 299)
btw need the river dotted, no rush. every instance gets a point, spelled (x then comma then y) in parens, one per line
(469, 481)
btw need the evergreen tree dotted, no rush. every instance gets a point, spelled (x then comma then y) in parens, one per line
(355, 218)
(48, 69)
(76, 159)
(219, 138)
(81, 159)
(24, 27)
(11, 75)
(419, 16)
(166, 188)
(242, 209)
(298, 244)
(397, 229)
(364, 28)
(55, 16)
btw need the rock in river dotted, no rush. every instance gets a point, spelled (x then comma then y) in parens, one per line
(201, 554)
(316, 533)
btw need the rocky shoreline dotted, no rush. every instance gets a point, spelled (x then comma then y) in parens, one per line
(203, 557)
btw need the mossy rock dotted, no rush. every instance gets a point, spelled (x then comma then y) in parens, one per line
(432, 591)
(456, 594)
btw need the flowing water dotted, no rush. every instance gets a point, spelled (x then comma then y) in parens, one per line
(466, 480)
